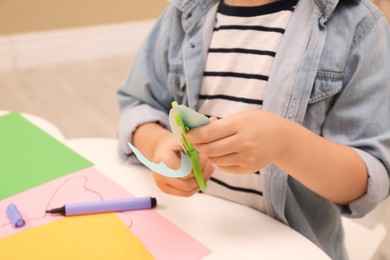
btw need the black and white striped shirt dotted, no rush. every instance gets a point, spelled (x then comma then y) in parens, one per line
(239, 61)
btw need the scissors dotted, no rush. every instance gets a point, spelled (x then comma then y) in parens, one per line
(182, 119)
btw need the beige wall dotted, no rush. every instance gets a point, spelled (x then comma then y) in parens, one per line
(18, 16)
(385, 6)
(38, 15)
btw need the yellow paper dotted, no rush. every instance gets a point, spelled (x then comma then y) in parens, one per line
(100, 236)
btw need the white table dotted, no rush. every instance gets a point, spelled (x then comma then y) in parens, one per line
(230, 230)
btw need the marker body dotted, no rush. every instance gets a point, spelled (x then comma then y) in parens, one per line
(106, 206)
(14, 216)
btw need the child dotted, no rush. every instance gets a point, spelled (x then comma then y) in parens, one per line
(299, 95)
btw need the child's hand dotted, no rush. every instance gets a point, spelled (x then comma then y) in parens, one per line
(247, 142)
(168, 151)
(241, 143)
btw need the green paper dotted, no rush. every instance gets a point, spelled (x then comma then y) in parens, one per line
(30, 157)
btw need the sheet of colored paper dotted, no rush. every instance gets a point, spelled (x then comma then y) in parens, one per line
(99, 236)
(191, 119)
(161, 168)
(30, 157)
(163, 239)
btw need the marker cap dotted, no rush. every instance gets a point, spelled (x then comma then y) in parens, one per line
(14, 216)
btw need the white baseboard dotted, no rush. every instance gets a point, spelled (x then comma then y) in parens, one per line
(28, 50)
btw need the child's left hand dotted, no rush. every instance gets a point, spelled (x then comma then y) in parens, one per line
(242, 143)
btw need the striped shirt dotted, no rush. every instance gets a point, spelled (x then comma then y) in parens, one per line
(239, 61)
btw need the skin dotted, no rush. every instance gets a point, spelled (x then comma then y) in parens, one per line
(332, 170)
(159, 145)
(246, 142)
(384, 5)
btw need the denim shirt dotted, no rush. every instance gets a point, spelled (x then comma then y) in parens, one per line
(331, 74)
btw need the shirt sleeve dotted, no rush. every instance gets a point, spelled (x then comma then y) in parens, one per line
(144, 97)
(360, 117)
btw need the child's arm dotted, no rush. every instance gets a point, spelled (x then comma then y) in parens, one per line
(249, 141)
(159, 145)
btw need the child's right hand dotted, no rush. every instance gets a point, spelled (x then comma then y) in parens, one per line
(168, 151)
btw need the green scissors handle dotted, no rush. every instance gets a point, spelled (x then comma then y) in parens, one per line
(191, 152)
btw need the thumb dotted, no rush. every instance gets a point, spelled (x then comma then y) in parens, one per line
(213, 119)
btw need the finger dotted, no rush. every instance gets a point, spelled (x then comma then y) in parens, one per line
(233, 169)
(207, 167)
(208, 170)
(238, 167)
(179, 185)
(228, 160)
(217, 130)
(174, 191)
(213, 119)
(221, 147)
(171, 159)
(217, 148)
(188, 177)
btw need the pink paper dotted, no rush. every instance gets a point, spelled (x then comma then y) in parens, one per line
(162, 238)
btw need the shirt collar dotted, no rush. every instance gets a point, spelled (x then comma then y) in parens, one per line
(327, 7)
(193, 10)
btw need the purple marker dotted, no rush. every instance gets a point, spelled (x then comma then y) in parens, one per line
(105, 206)
(14, 216)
